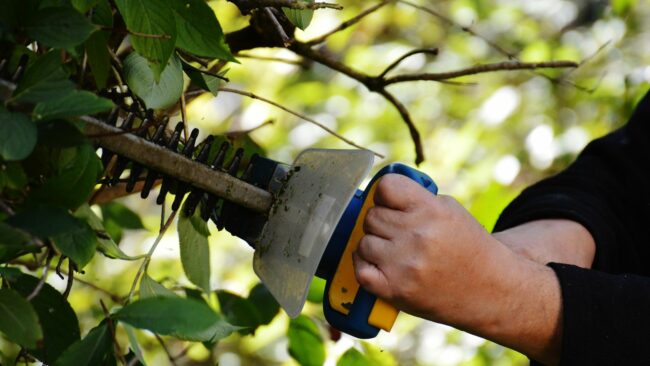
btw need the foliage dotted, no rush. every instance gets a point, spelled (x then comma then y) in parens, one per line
(82, 277)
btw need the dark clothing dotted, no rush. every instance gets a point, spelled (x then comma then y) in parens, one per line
(606, 310)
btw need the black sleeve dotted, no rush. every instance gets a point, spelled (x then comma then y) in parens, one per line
(606, 311)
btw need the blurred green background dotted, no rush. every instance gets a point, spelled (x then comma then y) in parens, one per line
(484, 141)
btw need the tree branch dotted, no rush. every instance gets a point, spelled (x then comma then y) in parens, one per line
(479, 69)
(429, 51)
(246, 6)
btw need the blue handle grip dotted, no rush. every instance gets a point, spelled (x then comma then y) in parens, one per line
(355, 322)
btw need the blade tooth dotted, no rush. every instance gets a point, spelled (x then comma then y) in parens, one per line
(136, 171)
(234, 163)
(120, 166)
(112, 116)
(221, 154)
(172, 145)
(195, 195)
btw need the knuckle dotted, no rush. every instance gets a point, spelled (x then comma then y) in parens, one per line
(386, 185)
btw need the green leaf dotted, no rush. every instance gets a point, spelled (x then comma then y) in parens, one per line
(94, 349)
(239, 311)
(264, 302)
(79, 170)
(103, 14)
(83, 6)
(151, 288)
(156, 94)
(316, 290)
(305, 342)
(59, 133)
(199, 31)
(204, 81)
(43, 80)
(15, 176)
(105, 244)
(59, 27)
(352, 357)
(71, 236)
(299, 18)
(18, 320)
(98, 57)
(182, 318)
(153, 29)
(133, 341)
(44, 221)
(78, 244)
(76, 103)
(12, 242)
(17, 135)
(10, 272)
(58, 320)
(118, 217)
(195, 252)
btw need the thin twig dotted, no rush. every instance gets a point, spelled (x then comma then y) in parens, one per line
(348, 23)
(406, 116)
(299, 115)
(4, 207)
(164, 346)
(114, 297)
(428, 51)
(245, 132)
(49, 254)
(68, 285)
(479, 69)
(111, 328)
(301, 62)
(147, 258)
(286, 40)
(465, 29)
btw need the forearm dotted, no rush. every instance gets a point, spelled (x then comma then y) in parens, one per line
(552, 240)
(516, 302)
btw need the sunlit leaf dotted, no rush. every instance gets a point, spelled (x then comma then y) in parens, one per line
(105, 244)
(118, 217)
(18, 319)
(58, 320)
(306, 344)
(17, 135)
(316, 290)
(156, 94)
(150, 288)
(153, 31)
(94, 349)
(300, 18)
(199, 31)
(83, 6)
(352, 357)
(182, 318)
(59, 27)
(195, 252)
(135, 345)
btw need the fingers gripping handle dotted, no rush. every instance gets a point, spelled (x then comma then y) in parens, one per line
(347, 306)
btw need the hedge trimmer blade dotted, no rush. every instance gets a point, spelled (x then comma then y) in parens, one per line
(302, 219)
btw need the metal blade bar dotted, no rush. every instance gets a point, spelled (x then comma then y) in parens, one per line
(167, 162)
(176, 165)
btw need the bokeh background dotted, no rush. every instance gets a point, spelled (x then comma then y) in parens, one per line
(484, 141)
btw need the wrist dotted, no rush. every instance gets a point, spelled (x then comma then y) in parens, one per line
(517, 303)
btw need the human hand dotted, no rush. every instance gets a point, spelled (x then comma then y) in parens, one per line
(426, 254)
